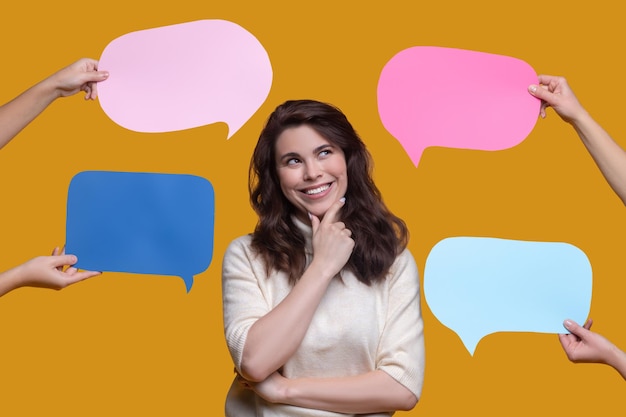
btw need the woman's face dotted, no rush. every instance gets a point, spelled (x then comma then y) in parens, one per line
(311, 170)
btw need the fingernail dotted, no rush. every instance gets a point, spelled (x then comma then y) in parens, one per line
(309, 215)
(567, 324)
(342, 199)
(532, 88)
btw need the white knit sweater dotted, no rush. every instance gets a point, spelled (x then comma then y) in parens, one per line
(356, 328)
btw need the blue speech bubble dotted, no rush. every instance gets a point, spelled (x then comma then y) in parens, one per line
(477, 286)
(160, 224)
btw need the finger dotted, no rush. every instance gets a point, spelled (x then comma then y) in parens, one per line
(567, 345)
(72, 270)
(542, 109)
(55, 252)
(332, 215)
(315, 222)
(588, 324)
(89, 64)
(87, 89)
(547, 79)
(94, 91)
(565, 340)
(81, 276)
(243, 382)
(90, 80)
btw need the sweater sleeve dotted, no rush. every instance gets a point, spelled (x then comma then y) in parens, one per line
(242, 297)
(401, 349)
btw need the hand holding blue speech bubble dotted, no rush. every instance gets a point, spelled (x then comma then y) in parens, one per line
(142, 223)
(477, 286)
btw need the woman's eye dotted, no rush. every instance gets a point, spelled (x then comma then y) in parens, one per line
(292, 161)
(325, 152)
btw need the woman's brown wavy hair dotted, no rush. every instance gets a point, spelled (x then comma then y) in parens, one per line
(378, 234)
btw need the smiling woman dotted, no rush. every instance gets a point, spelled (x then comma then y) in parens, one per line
(321, 302)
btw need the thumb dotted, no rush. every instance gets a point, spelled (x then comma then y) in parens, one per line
(95, 76)
(61, 260)
(575, 328)
(539, 91)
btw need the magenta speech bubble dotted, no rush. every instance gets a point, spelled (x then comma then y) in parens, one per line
(184, 76)
(432, 96)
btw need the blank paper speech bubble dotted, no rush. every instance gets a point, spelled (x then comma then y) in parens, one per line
(431, 96)
(477, 286)
(144, 223)
(183, 76)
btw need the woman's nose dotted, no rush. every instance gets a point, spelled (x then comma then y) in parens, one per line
(312, 170)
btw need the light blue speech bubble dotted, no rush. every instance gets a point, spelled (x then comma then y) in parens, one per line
(144, 223)
(477, 286)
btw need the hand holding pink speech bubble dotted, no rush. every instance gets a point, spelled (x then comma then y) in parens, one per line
(431, 96)
(183, 76)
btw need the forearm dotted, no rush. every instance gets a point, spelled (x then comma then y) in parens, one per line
(607, 154)
(273, 338)
(372, 392)
(617, 360)
(10, 280)
(19, 112)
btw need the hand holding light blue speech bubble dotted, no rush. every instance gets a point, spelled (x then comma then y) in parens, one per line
(477, 286)
(143, 223)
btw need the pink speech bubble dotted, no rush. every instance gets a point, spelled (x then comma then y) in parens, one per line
(183, 76)
(431, 96)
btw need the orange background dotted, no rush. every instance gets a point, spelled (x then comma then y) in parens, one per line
(127, 345)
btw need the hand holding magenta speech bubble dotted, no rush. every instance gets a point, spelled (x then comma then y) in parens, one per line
(144, 223)
(432, 96)
(183, 76)
(477, 286)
